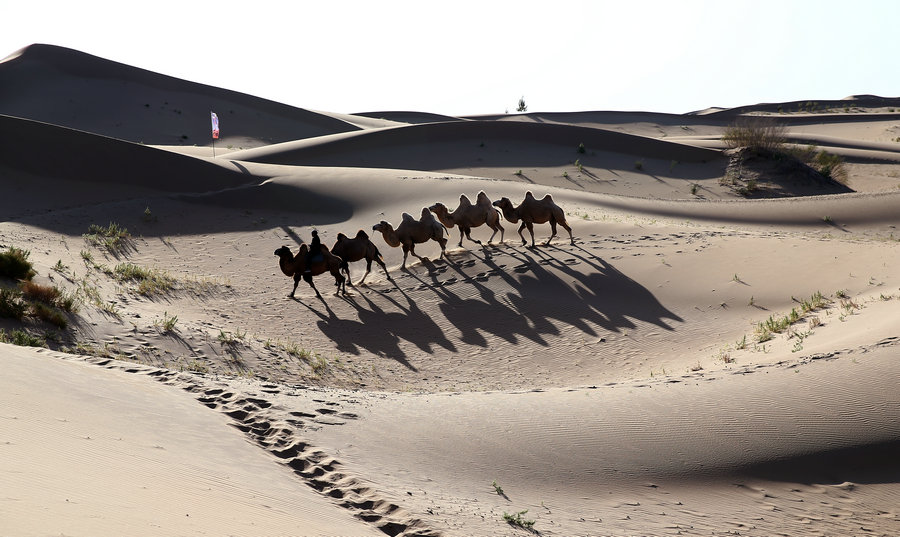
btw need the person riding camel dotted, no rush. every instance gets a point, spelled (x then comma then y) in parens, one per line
(315, 250)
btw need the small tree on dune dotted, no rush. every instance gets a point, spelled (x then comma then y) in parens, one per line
(522, 106)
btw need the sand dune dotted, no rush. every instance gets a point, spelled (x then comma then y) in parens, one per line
(73, 89)
(697, 363)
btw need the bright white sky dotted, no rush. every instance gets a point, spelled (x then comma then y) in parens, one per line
(462, 57)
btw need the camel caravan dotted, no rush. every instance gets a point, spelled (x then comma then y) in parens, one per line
(318, 259)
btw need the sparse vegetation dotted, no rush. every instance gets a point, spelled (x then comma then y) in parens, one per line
(14, 264)
(12, 306)
(167, 323)
(497, 488)
(761, 135)
(518, 519)
(831, 166)
(148, 216)
(21, 338)
(112, 237)
(231, 338)
(150, 281)
(777, 325)
(581, 148)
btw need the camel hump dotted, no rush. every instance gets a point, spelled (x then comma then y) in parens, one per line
(548, 199)
(425, 213)
(529, 196)
(362, 234)
(483, 199)
(406, 217)
(464, 200)
(341, 237)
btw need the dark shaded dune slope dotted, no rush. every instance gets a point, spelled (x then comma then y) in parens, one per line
(73, 89)
(445, 145)
(56, 152)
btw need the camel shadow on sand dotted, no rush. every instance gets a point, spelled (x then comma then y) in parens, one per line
(541, 301)
(381, 332)
(543, 292)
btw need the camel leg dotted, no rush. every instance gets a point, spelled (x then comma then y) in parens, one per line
(443, 242)
(552, 232)
(340, 282)
(530, 227)
(521, 227)
(496, 227)
(368, 270)
(384, 268)
(345, 268)
(461, 233)
(405, 253)
(309, 280)
(294, 290)
(469, 230)
(567, 228)
(412, 250)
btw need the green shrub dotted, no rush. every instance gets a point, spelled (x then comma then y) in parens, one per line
(14, 264)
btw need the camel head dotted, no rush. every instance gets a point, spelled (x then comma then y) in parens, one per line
(507, 208)
(443, 214)
(284, 253)
(382, 226)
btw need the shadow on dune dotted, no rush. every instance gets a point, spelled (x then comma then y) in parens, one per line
(541, 304)
(866, 464)
(381, 332)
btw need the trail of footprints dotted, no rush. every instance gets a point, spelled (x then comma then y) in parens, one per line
(276, 432)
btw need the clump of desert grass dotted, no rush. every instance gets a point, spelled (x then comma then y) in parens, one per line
(113, 237)
(150, 281)
(764, 136)
(14, 264)
(777, 324)
(21, 338)
(31, 299)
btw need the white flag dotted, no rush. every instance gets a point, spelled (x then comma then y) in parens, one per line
(215, 125)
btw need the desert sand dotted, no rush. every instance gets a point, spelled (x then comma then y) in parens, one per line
(620, 385)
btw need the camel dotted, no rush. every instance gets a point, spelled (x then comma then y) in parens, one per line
(532, 211)
(411, 232)
(467, 216)
(357, 249)
(295, 266)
